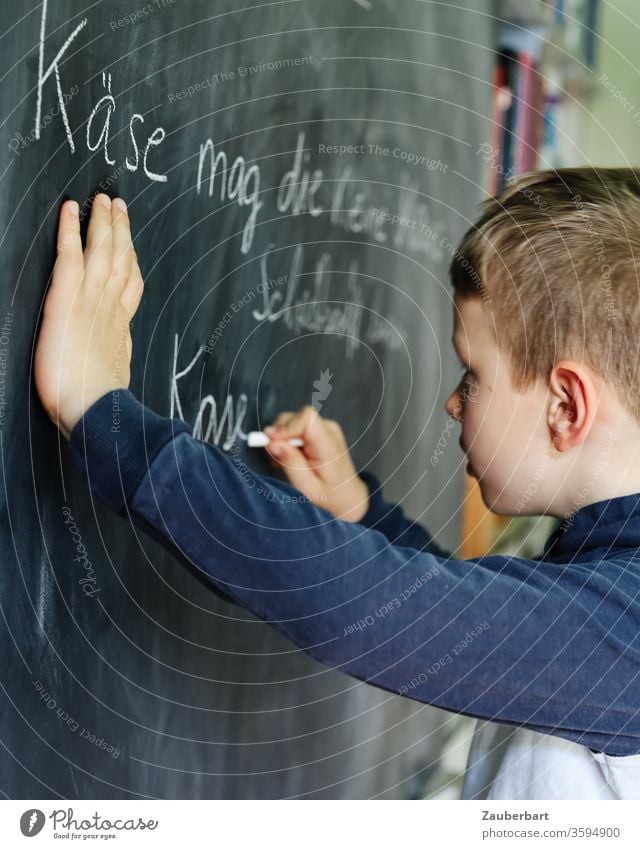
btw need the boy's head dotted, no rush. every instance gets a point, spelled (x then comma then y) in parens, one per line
(547, 316)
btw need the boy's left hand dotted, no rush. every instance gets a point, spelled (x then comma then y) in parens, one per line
(84, 344)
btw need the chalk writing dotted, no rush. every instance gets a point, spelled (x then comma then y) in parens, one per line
(233, 184)
(99, 128)
(312, 309)
(207, 427)
(54, 69)
(298, 187)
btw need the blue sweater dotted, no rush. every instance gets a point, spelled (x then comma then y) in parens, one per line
(552, 644)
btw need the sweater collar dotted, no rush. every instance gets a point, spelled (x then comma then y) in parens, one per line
(610, 524)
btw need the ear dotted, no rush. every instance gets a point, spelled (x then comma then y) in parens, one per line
(572, 404)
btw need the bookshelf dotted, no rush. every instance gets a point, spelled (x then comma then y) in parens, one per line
(543, 79)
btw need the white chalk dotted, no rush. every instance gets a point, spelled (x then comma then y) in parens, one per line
(258, 439)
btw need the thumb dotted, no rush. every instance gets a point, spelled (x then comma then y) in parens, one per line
(307, 424)
(296, 467)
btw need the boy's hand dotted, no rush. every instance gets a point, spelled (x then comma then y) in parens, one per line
(84, 345)
(322, 469)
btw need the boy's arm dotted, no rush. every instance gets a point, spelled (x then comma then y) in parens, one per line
(390, 520)
(499, 638)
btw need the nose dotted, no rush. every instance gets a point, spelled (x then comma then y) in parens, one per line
(453, 405)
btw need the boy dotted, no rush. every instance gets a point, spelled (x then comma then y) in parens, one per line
(545, 652)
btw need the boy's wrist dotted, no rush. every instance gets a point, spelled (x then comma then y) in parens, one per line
(371, 486)
(362, 502)
(376, 506)
(115, 441)
(72, 411)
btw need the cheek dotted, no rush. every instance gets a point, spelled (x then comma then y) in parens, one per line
(473, 412)
(480, 429)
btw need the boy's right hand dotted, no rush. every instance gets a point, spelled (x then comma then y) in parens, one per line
(322, 469)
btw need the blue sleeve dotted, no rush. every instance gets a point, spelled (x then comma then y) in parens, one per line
(391, 521)
(497, 637)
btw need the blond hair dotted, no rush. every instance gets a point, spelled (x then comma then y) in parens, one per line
(555, 258)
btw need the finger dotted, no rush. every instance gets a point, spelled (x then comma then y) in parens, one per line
(297, 424)
(122, 256)
(280, 420)
(133, 290)
(308, 424)
(99, 241)
(296, 467)
(69, 264)
(337, 431)
(284, 417)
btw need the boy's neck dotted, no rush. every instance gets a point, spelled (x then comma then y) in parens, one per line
(609, 474)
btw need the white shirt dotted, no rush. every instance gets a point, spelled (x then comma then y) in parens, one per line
(507, 762)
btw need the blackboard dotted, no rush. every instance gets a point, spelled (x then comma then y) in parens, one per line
(297, 174)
